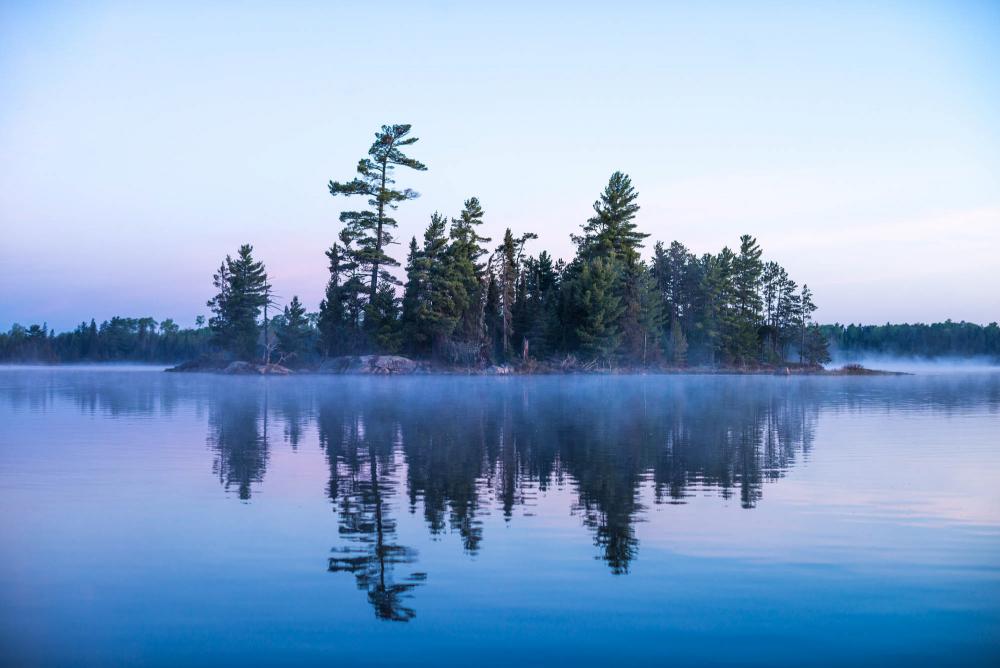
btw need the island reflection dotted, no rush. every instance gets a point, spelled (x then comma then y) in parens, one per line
(456, 452)
(450, 452)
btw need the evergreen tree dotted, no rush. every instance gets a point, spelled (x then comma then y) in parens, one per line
(435, 296)
(597, 322)
(647, 323)
(612, 235)
(815, 346)
(536, 317)
(340, 312)
(786, 313)
(503, 273)
(674, 271)
(718, 314)
(412, 294)
(508, 285)
(294, 331)
(492, 348)
(771, 280)
(382, 319)
(242, 286)
(332, 310)
(747, 270)
(678, 345)
(466, 252)
(612, 229)
(806, 307)
(371, 229)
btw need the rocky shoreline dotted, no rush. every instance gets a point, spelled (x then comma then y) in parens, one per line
(396, 365)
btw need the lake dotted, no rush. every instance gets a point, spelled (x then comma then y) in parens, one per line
(169, 519)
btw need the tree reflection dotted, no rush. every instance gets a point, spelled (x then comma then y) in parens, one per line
(453, 452)
(238, 438)
(362, 481)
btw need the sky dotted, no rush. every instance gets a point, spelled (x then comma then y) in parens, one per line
(142, 142)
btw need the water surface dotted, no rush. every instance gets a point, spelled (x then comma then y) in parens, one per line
(161, 519)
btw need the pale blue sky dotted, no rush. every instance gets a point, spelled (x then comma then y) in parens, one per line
(859, 142)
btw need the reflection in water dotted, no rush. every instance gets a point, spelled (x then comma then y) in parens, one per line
(361, 459)
(238, 438)
(463, 450)
(497, 445)
(452, 451)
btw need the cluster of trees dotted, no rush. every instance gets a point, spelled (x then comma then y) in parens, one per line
(941, 339)
(240, 322)
(117, 339)
(467, 301)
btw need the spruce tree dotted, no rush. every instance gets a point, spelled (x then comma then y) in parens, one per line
(382, 319)
(412, 294)
(718, 314)
(294, 331)
(675, 271)
(340, 312)
(466, 250)
(435, 295)
(599, 309)
(242, 285)
(815, 346)
(332, 311)
(536, 317)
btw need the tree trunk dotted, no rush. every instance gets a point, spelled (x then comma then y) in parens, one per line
(378, 238)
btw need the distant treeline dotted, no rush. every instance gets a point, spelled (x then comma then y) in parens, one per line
(940, 339)
(115, 340)
(146, 340)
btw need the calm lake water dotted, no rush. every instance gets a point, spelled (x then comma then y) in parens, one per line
(160, 519)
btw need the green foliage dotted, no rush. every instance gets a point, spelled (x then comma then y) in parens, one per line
(117, 339)
(370, 229)
(465, 254)
(940, 339)
(294, 330)
(677, 345)
(598, 309)
(612, 229)
(747, 269)
(815, 347)
(341, 313)
(606, 304)
(536, 313)
(242, 294)
(435, 297)
(382, 319)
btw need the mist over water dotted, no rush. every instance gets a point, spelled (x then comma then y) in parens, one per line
(918, 365)
(162, 519)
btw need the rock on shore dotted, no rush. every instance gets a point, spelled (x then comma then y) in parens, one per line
(370, 364)
(246, 368)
